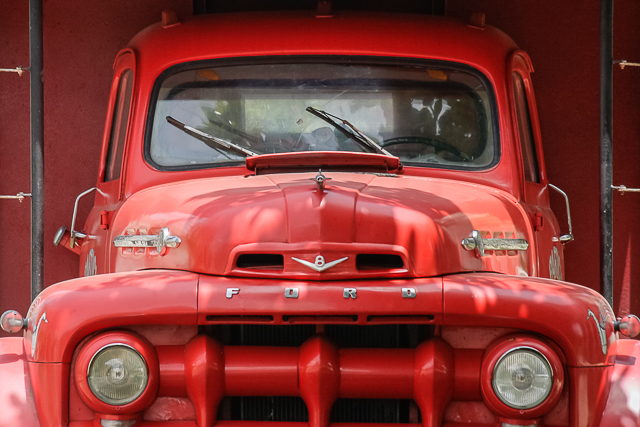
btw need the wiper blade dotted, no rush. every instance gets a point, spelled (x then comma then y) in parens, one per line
(210, 140)
(350, 130)
(235, 131)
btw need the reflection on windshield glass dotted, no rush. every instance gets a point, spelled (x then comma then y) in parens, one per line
(422, 115)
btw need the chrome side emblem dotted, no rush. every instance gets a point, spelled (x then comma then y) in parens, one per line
(479, 244)
(320, 265)
(232, 291)
(160, 242)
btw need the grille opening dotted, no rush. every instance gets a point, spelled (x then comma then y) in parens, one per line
(378, 336)
(261, 261)
(345, 336)
(259, 408)
(404, 318)
(378, 262)
(293, 409)
(392, 411)
(261, 335)
(239, 319)
(322, 319)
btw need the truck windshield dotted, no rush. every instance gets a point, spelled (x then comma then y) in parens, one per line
(426, 115)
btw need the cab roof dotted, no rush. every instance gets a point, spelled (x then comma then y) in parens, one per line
(285, 33)
(302, 33)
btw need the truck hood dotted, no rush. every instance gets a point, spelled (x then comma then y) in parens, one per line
(574, 317)
(359, 225)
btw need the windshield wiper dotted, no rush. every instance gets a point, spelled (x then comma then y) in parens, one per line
(350, 130)
(235, 131)
(210, 140)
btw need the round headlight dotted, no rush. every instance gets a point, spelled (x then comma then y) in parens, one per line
(522, 378)
(117, 374)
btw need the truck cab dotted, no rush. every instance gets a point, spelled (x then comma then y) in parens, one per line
(323, 221)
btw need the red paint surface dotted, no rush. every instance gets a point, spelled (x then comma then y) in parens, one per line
(18, 408)
(204, 377)
(562, 40)
(285, 214)
(570, 146)
(80, 44)
(318, 370)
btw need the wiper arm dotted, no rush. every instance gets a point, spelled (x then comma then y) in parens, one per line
(210, 140)
(350, 130)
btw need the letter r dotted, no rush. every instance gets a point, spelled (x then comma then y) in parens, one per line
(350, 293)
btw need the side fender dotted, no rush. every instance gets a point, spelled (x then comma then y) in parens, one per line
(623, 404)
(17, 406)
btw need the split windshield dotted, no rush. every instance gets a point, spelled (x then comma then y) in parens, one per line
(425, 115)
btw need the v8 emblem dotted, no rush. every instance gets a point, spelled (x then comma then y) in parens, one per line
(320, 264)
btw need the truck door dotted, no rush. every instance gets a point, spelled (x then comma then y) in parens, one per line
(95, 249)
(535, 185)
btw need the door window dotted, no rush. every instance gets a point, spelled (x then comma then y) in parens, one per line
(527, 140)
(119, 125)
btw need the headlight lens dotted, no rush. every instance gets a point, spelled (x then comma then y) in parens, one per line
(117, 374)
(522, 378)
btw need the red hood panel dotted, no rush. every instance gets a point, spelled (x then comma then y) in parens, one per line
(582, 321)
(218, 219)
(65, 313)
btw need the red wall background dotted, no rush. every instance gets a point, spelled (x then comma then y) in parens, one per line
(81, 40)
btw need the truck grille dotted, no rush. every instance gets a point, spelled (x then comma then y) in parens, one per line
(294, 409)
(344, 336)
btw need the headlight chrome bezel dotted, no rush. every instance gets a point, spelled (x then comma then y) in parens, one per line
(90, 349)
(497, 352)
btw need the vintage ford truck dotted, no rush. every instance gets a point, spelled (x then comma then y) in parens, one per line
(323, 220)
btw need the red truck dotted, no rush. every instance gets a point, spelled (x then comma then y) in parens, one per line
(325, 220)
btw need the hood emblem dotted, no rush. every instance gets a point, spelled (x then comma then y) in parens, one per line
(479, 244)
(320, 265)
(160, 242)
(320, 180)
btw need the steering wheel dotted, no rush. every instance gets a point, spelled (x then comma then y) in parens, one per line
(423, 140)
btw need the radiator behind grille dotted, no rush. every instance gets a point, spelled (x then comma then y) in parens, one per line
(345, 336)
(293, 409)
(272, 408)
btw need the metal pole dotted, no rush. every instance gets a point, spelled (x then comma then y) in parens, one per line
(606, 149)
(438, 7)
(37, 147)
